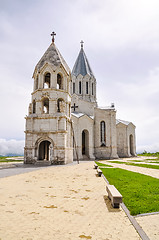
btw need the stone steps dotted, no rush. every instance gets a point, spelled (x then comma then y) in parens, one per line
(42, 163)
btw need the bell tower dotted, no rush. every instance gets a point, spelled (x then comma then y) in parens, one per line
(48, 134)
(83, 79)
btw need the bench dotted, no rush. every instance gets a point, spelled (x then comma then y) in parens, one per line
(95, 166)
(114, 195)
(99, 172)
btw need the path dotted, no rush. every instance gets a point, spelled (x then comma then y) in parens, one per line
(67, 202)
(148, 223)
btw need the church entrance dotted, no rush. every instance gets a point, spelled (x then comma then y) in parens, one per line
(85, 143)
(131, 143)
(44, 151)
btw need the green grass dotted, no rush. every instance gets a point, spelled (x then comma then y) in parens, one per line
(102, 164)
(4, 159)
(119, 162)
(1, 157)
(154, 162)
(148, 154)
(137, 160)
(140, 192)
(144, 165)
(137, 164)
(9, 160)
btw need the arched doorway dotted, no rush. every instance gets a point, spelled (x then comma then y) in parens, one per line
(131, 144)
(44, 151)
(85, 143)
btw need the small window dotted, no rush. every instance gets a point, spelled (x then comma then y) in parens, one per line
(86, 87)
(59, 81)
(46, 105)
(34, 106)
(102, 134)
(60, 105)
(80, 88)
(92, 89)
(73, 87)
(47, 80)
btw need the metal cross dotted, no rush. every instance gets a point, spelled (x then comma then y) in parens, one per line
(74, 107)
(53, 38)
(81, 42)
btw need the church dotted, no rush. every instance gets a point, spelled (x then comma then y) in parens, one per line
(64, 122)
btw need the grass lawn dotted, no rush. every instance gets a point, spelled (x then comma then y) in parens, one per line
(137, 165)
(4, 159)
(140, 192)
(156, 154)
(102, 164)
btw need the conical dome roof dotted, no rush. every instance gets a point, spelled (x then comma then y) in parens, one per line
(53, 57)
(82, 65)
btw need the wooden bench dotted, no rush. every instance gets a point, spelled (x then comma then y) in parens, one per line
(99, 172)
(95, 166)
(114, 195)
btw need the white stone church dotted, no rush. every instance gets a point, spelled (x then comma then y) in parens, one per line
(64, 122)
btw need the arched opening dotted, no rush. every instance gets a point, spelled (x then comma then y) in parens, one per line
(102, 134)
(131, 144)
(60, 105)
(86, 87)
(85, 143)
(73, 87)
(34, 106)
(36, 83)
(59, 81)
(44, 151)
(45, 105)
(47, 78)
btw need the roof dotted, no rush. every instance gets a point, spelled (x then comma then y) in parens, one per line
(82, 65)
(122, 121)
(107, 108)
(78, 115)
(53, 57)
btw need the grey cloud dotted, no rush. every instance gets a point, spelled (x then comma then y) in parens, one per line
(121, 43)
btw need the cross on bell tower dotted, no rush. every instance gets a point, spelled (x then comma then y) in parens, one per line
(53, 34)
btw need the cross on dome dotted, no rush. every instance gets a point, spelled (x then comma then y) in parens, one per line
(53, 34)
(81, 42)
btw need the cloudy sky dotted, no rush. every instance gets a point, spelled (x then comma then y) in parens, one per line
(121, 41)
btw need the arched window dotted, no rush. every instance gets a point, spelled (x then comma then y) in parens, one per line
(36, 83)
(45, 104)
(80, 88)
(59, 81)
(47, 78)
(60, 105)
(86, 87)
(102, 134)
(74, 87)
(131, 144)
(34, 106)
(92, 89)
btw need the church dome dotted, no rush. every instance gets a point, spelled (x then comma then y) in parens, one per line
(82, 65)
(53, 57)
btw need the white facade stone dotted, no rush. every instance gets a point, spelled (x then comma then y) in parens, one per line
(64, 122)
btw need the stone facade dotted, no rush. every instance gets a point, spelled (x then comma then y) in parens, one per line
(50, 125)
